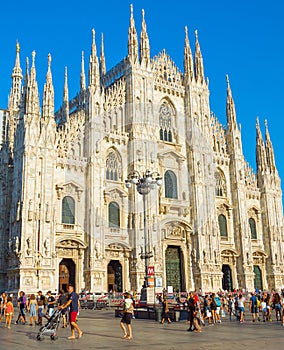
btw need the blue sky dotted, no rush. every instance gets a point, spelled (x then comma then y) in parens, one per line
(241, 38)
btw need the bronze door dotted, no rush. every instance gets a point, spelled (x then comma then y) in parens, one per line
(174, 268)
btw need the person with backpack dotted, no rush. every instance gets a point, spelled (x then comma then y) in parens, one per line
(254, 308)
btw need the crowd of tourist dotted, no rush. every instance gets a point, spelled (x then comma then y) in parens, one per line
(36, 307)
(209, 308)
(212, 307)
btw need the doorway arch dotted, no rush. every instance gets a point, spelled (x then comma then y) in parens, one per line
(257, 277)
(67, 274)
(114, 276)
(174, 268)
(227, 283)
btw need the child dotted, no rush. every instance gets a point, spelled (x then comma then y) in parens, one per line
(263, 307)
(196, 322)
(9, 312)
(32, 308)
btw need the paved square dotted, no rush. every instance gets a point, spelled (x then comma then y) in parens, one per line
(102, 331)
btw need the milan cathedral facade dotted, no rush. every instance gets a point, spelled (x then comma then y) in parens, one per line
(66, 215)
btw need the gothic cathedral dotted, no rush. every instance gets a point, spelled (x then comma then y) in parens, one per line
(67, 216)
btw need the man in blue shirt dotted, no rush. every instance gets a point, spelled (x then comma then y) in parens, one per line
(253, 306)
(73, 302)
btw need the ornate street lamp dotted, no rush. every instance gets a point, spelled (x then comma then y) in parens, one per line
(144, 184)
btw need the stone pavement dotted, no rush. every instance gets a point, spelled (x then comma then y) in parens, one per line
(102, 331)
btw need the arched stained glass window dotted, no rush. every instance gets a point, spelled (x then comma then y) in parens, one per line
(252, 225)
(113, 166)
(221, 188)
(222, 221)
(113, 215)
(166, 122)
(68, 210)
(170, 184)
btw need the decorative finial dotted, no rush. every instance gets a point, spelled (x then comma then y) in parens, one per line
(17, 47)
(94, 35)
(266, 124)
(227, 80)
(131, 10)
(65, 73)
(196, 34)
(49, 60)
(33, 58)
(82, 56)
(186, 31)
(257, 121)
(143, 15)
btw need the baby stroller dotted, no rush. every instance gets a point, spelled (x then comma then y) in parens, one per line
(51, 326)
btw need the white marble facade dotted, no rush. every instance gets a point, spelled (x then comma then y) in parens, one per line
(63, 197)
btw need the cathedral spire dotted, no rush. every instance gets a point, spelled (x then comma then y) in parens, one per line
(230, 107)
(82, 76)
(15, 93)
(102, 58)
(187, 59)
(269, 150)
(32, 104)
(94, 74)
(144, 43)
(48, 93)
(261, 161)
(65, 105)
(132, 39)
(198, 61)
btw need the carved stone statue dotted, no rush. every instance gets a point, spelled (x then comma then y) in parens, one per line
(30, 212)
(29, 247)
(10, 245)
(17, 243)
(47, 212)
(18, 211)
(97, 249)
(46, 245)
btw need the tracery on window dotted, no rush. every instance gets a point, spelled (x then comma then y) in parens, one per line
(166, 122)
(221, 188)
(113, 166)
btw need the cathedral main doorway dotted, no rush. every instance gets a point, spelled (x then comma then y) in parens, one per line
(174, 275)
(114, 276)
(227, 283)
(67, 270)
(257, 277)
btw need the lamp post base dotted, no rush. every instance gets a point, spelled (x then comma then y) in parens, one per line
(147, 296)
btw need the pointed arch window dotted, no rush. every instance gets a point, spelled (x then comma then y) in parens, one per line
(68, 210)
(252, 226)
(222, 221)
(221, 188)
(113, 166)
(166, 122)
(170, 184)
(114, 215)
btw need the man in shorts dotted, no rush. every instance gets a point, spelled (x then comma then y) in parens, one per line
(73, 302)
